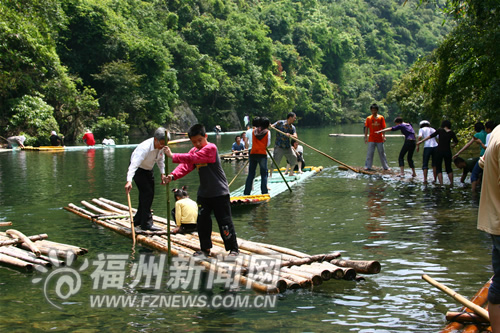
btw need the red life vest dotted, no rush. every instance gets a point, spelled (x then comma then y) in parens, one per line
(259, 146)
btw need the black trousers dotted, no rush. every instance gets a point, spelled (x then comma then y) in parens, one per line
(145, 181)
(221, 206)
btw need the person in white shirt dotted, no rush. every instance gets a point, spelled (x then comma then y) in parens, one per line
(429, 148)
(108, 142)
(142, 161)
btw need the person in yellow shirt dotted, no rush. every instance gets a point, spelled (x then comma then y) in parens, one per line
(185, 212)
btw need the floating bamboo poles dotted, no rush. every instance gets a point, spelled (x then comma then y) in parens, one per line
(292, 269)
(28, 252)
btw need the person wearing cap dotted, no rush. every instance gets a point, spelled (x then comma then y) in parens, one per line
(143, 159)
(88, 138)
(429, 149)
(55, 140)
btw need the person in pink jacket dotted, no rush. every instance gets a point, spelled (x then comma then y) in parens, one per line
(213, 192)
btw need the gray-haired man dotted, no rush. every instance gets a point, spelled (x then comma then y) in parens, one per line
(142, 161)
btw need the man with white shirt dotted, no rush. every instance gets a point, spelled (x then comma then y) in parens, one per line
(144, 158)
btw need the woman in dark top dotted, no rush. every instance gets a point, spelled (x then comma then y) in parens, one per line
(443, 151)
(408, 146)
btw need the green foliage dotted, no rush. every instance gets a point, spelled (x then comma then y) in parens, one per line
(460, 79)
(325, 60)
(107, 127)
(35, 118)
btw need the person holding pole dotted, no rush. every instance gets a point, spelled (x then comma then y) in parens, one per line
(260, 139)
(488, 219)
(213, 192)
(282, 146)
(143, 159)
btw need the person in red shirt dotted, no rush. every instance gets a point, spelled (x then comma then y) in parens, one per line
(375, 123)
(88, 138)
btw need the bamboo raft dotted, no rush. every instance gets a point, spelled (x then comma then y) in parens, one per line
(275, 184)
(29, 252)
(374, 171)
(234, 157)
(97, 146)
(360, 135)
(297, 269)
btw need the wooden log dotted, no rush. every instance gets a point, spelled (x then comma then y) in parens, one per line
(158, 243)
(123, 207)
(477, 309)
(465, 317)
(19, 240)
(31, 246)
(54, 261)
(360, 266)
(480, 298)
(315, 279)
(95, 208)
(338, 273)
(81, 212)
(303, 282)
(323, 273)
(310, 259)
(292, 285)
(109, 207)
(24, 255)
(5, 224)
(64, 247)
(15, 262)
(283, 250)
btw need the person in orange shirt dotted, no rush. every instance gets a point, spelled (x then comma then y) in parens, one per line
(375, 123)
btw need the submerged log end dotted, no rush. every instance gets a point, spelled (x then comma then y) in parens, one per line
(465, 317)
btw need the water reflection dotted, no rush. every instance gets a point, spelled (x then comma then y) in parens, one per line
(376, 207)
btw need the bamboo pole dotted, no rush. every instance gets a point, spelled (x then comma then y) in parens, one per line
(132, 227)
(8, 260)
(26, 240)
(167, 138)
(24, 255)
(278, 167)
(64, 247)
(480, 298)
(326, 155)
(109, 207)
(5, 224)
(360, 266)
(234, 178)
(476, 308)
(19, 240)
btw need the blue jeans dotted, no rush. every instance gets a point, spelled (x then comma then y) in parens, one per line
(494, 291)
(428, 153)
(261, 160)
(381, 154)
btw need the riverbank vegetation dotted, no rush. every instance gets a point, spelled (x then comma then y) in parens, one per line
(460, 80)
(114, 65)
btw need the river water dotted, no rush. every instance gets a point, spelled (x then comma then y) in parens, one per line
(411, 228)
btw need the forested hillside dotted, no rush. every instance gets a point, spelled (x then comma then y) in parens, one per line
(460, 80)
(115, 64)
